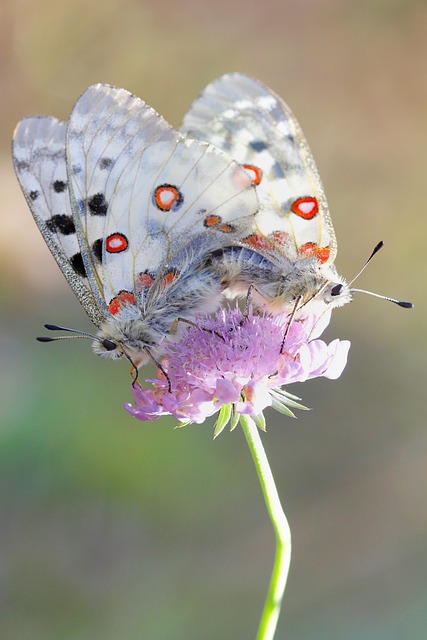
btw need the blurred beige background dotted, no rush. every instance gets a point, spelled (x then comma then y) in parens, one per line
(111, 528)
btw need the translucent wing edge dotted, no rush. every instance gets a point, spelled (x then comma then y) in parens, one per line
(22, 137)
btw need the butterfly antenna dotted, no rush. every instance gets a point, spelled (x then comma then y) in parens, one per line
(400, 303)
(109, 345)
(375, 250)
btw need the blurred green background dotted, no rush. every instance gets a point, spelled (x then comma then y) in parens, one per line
(112, 528)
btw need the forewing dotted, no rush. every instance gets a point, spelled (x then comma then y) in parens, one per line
(107, 127)
(253, 125)
(150, 201)
(38, 151)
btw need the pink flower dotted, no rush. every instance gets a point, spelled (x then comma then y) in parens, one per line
(236, 364)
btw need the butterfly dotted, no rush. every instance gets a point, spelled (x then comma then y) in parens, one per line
(290, 251)
(130, 209)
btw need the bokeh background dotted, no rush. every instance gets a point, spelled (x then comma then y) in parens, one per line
(112, 528)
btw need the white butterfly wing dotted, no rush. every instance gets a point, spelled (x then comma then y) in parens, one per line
(38, 151)
(253, 125)
(148, 200)
(107, 128)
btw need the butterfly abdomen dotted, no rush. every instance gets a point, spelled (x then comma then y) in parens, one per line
(146, 321)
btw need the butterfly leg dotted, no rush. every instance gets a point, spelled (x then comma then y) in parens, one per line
(133, 369)
(248, 300)
(174, 324)
(159, 366)
(192, 324)
(291, 317)
(288, 326)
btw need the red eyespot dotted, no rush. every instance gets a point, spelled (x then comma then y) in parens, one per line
(170, 277)
(215, 221)
(167, 197)
(116, 243)
(226, 228)
(211, 221)
(258, 241)
(121, 300)
(306, 207)
(144, 280)
(254, 173)
(323, 254)
(310, 249)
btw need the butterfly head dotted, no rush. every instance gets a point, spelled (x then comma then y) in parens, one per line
(316, 286)
(323, 285)
(137, 337)
(335, 291)
(125, 335)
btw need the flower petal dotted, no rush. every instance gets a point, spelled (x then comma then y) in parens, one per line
(340, 350)
(239, 361)
(226, 391)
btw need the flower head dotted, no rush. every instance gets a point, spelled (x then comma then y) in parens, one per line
(237, 364)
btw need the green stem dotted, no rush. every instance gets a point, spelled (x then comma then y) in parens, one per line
(270, 614)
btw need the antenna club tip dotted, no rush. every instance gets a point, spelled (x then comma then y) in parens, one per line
(377, 248)
(406, 305)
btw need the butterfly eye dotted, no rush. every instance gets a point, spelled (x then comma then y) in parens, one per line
(336, 290)
(108, 345)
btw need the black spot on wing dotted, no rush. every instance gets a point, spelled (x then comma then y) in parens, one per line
(76, 262)
(34, 195)
(59, 186)
(97, 204)
(62, 224)
(97, 249)
(106, 163)
(258, 145)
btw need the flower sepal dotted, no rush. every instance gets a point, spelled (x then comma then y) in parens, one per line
(223, 419)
